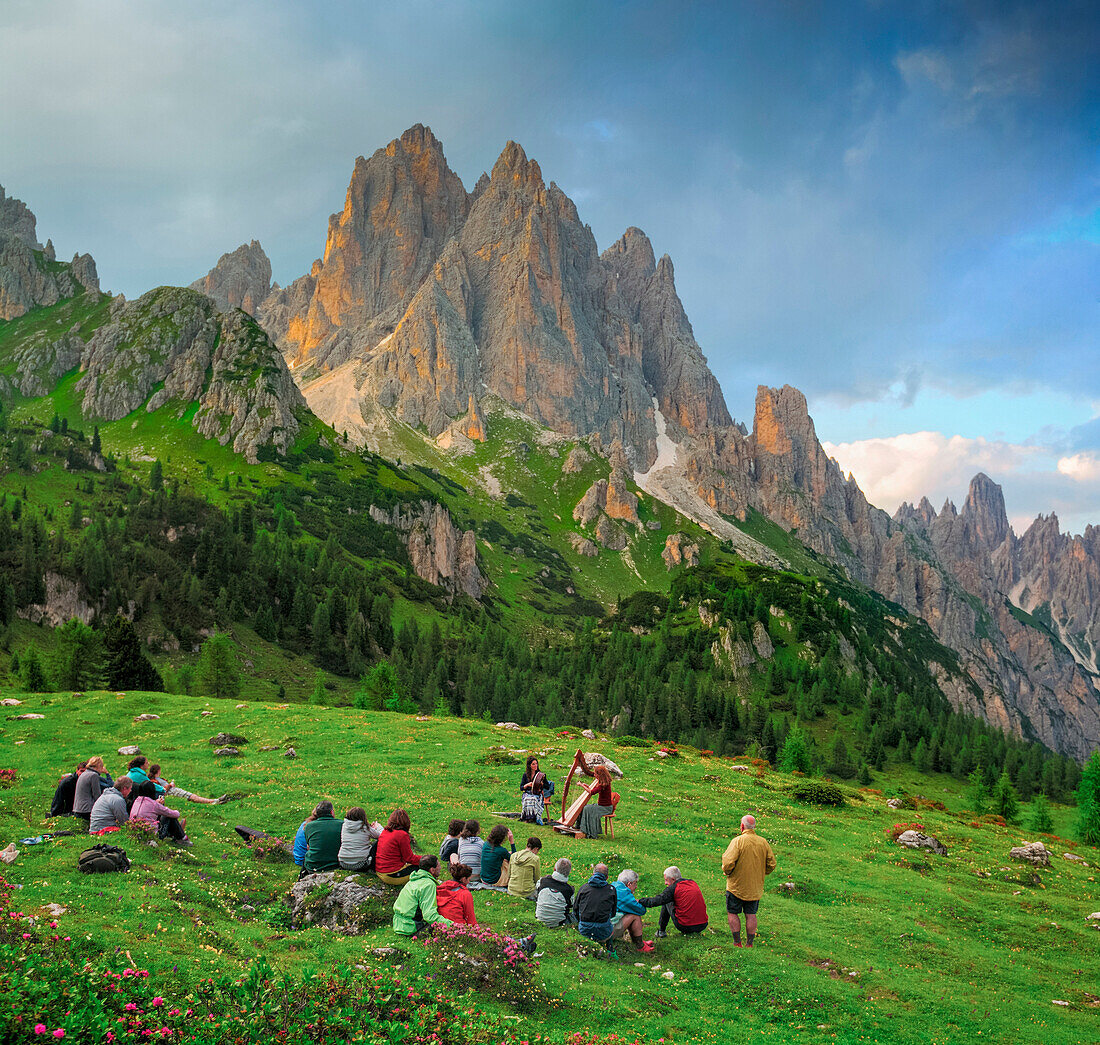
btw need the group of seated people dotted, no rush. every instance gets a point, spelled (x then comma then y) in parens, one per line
(601, 911)
(104, 804)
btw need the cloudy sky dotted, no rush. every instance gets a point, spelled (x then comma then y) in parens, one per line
(894, 206)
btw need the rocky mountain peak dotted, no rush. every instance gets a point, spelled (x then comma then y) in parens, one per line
(631, 249)
(416, 140)
(984, 511)
(17, 219)
(241, 279)
(665, 272)
(782, 421)
(514, 166)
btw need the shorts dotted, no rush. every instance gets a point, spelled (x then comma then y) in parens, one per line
(598, 931)
(735, 905)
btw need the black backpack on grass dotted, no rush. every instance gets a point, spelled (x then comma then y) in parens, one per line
(101, 859)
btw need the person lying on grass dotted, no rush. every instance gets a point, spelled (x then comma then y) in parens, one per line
(394, 860)
(554, 900)
(628, 913)
(448, 850)
(525, 869)
(110, 811)
(682, 901)
(173, 790)
(415, 906)
(151, 810)
(357, 838)
(454, 899)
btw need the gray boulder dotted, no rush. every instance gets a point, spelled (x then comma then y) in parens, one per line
(229, 752)
(228, 738)
(1033, 853)
(916, 840)
(342, 904)
(130, 751)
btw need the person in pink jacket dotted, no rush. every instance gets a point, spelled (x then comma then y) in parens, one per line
(151, 810)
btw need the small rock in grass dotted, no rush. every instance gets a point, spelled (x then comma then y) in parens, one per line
(20, 718)
(232, 752)
(291, 753)
(738, 767)
(508, 725)
(588, 733)
(145, 718)
(130, 750)
(916, 840)
(1075, 858)
(669, 975)
(1058, 1001)
(270, 747)
(206, 712)
(242, 705)
(1094, 917)
(55, 909)
(10, 702)
(1033, 853)
(228, 738)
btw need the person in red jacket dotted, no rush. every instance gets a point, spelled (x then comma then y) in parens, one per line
(394, 860)
(682, 901)
(454, 899)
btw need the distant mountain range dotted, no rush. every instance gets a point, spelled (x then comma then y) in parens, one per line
(435, 312)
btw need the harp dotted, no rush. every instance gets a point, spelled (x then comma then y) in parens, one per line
(570, 813)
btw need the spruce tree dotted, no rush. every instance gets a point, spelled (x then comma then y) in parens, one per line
(127, 665)
(922, 757)
(34, 677)
(796, 753)
(1088, 802)
(218, 675)
(1006, 802)
(1040, 819)
(977, 793)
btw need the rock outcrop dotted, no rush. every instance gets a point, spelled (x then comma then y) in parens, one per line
(171, 347)
(679, 550)
(342, 904)
(30, 275)
(241, 279)
(439, 552)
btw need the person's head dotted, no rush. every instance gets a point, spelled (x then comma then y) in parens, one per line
(147, 789)
(154, 770)
(564, 866)
(629, 878)
(534, 843)
(97, 765)
(603, 777)
(672, 875)
(356, 813)
(498, 834)
(471, 829)
(454, 828)
(430, 864)
(600, 869)
(137, 762)
(748, 822)
(461, 873)
(323, 808)
(398, 821)
(123, 785)
(532, 766)
(80, 767)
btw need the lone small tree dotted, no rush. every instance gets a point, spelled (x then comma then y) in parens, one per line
(127, 665)
(796, 753)
(1040, 819)
(977, 793)
(1088, 801)
(1006, 802)
(30, 668)
(218, 675)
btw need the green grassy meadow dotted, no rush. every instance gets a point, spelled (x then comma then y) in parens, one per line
(873, 943)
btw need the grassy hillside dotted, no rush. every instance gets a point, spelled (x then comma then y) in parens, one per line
(868, 942)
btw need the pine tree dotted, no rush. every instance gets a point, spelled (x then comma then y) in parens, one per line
(218, 675)
(1088, 801)
(922, 757)
(97, 446)
(78, 662)
(34, 678)
(840, 762)
(796, 753)
(977, 793)
(903, 754)
(318, 694)
(156, 477)
(1040, 819)
(864, 775)
(1006, 802)
(127, 665)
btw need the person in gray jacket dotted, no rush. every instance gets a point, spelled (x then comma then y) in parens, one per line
(88, 788)
(110, 809)
(554, 897)
(357, 838)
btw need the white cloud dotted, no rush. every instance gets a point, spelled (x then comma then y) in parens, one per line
(1082, 468)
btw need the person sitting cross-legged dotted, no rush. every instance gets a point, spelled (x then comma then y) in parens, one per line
(357, 838)
(110, 811)
(495, 866)
(323, 841)
(681, 901)
(554, 899)
(629, 912)
(415, 906)
(394, 860)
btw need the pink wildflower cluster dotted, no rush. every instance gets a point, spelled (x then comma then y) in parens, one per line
(7, 777)
(508, 947)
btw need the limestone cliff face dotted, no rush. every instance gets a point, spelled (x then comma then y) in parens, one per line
(173, 346)
(439, 552)
(241, 279)
(30, 275)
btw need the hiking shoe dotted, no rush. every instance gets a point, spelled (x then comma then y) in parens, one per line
(527, 945)
(738, 943)
(660, 934)
(221, 801)
(648, 947)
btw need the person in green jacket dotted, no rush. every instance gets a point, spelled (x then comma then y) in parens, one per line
(525, 870)
(323, 841)
(415, 905)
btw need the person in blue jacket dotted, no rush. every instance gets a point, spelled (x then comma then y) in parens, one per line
(629, 912)
(321, 809)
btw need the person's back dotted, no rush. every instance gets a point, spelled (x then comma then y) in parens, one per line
(109, 811)
(746, 861)
(88, 789)
(454, 901)
(469, 853)
(62, 804)
(526, 866)
(356, 844)
(689, 907)
(323, 844)
(597, 900)
(554, 900)
(415, 905)
(147, 810)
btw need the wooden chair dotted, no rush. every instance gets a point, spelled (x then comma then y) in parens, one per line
(608, 826)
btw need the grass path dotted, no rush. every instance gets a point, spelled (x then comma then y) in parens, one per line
(874, 943)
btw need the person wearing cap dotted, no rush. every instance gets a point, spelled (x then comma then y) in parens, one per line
(745, 863)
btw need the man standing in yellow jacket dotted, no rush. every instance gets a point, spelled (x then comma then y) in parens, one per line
(746, 861)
